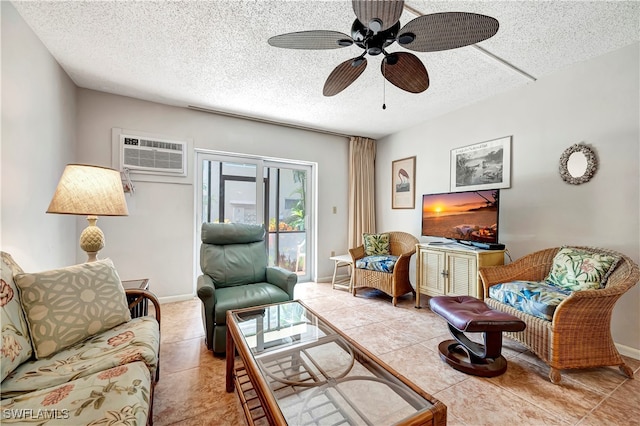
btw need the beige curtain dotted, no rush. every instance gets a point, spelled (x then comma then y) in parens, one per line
(362, 213)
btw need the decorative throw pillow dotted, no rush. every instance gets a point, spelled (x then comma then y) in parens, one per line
(574, 269)
(65, 306)
(375, 244)
(16, 345)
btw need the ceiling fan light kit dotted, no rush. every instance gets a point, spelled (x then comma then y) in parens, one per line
(383, 14)
(377, 27)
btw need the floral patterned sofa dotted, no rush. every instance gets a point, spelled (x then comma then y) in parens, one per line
(71, 354)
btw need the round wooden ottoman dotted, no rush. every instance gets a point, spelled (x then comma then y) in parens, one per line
(468, 314)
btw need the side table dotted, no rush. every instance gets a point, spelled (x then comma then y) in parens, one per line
(341, 261)
(139, 306)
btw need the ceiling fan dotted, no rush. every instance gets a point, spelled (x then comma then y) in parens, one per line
(377, 26)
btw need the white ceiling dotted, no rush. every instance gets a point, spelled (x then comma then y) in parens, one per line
(214, 55)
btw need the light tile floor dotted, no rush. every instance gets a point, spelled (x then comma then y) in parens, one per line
(191, 388)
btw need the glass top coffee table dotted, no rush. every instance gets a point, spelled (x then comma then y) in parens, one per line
(298, 369)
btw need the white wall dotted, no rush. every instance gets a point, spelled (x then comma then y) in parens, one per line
(156, 240)
(38, 140)
(595, 102)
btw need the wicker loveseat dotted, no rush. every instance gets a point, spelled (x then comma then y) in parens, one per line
(395, 283)
(578, 334)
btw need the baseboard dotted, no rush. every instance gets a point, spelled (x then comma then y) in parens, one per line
(178, 298)
(342, 278)
(628, 351)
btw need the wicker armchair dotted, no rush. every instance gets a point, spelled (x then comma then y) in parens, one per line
(579, 334)
(395, 283)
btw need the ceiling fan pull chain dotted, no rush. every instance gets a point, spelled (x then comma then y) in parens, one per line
(384, 84)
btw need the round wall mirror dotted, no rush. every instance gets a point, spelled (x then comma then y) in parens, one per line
(578, 164)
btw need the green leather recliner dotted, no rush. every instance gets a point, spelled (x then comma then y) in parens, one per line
(233, 259)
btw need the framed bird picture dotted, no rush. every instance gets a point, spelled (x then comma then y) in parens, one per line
(403, 183)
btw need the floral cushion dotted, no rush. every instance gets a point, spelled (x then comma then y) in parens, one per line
(136, 340)
(536, 298)
(117, 396)
(575, 269)
(377, 263)
(65, 306)
(376, 244)
(16, 344)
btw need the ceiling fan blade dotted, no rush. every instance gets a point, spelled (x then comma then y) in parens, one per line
(343, 75)
(408, 73)
(388, 12)
(311, 40)
(447, 30)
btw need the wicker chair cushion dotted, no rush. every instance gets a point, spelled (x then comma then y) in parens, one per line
(535, 298)
(575, 269)
(376, 244)
(377, 263)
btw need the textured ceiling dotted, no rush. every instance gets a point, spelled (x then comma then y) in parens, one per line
(214, 55)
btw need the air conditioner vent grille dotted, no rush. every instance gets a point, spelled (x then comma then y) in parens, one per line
(152, 159)
(153, 156)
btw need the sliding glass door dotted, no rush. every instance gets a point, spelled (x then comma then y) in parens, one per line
(230, 192)
(272, 193)
(286, 210)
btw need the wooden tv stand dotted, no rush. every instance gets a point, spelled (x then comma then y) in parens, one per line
(452, 269)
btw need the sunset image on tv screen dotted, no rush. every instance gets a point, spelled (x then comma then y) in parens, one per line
(469, 215)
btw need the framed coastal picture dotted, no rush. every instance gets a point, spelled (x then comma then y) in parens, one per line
(403, 183)
(485, 165)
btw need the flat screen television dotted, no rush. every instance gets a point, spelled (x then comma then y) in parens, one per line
(462, 216)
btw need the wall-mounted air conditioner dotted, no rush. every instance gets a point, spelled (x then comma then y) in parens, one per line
(153, 155)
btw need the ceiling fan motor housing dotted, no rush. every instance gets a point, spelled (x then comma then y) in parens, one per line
(373, 43)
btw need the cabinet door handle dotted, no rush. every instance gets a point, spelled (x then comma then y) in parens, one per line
(444, 273)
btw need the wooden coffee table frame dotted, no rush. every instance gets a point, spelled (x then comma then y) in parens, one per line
(247, 379)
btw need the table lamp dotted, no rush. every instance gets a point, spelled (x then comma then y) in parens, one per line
(92, 191)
